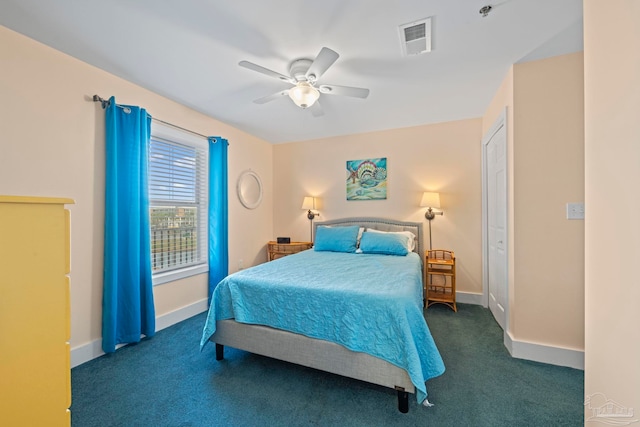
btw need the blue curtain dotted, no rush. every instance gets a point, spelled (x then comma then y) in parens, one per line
(127, 303)
(218, 212)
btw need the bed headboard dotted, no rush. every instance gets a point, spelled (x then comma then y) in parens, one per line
(382, 224)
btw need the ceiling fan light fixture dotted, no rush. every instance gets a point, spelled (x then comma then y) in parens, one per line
(304, 95)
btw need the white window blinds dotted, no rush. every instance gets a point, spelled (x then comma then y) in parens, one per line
(178, 204)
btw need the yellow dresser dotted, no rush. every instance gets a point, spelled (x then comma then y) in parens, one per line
(35, 371)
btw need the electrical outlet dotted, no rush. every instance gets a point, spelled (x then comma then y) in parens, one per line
(240, 264)
(575, 210)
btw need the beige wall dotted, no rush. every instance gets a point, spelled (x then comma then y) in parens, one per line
(444, 157)
(545, 120)
(52, 144)
(548, 174)
(612, 153)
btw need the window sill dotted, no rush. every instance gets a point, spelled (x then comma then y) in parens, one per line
(171, 276)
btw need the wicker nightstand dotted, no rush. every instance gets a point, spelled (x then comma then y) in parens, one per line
(278, 250)
(440, 280)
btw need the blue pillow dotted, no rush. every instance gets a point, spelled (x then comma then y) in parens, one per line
(383, 243)
(336, 239)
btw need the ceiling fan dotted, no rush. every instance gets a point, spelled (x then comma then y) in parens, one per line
(304, 75)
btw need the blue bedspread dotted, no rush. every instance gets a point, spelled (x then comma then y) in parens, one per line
(367, 303)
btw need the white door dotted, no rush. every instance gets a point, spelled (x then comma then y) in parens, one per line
(495, 155)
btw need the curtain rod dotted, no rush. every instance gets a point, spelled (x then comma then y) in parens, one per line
(105, 104)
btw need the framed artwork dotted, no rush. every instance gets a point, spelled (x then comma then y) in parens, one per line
(367, 179)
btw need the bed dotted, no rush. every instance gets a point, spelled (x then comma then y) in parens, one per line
(361, 317)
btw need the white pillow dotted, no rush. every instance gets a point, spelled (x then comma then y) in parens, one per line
(360, 231)
(410, 237)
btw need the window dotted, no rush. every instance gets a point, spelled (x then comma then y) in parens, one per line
(178, 170)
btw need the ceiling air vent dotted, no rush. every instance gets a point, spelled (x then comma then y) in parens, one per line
(416, 37)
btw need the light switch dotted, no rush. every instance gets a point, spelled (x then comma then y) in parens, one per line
(575, 210)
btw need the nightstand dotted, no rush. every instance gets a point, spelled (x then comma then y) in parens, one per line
(440, 280)
(277, 250)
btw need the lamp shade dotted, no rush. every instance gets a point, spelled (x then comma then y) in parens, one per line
(430, 200)
(304, 95)
(309, 203)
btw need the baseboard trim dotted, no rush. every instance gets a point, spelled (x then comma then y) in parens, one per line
(93, 349)
(468, 298)
(537, 352)
(176, 316)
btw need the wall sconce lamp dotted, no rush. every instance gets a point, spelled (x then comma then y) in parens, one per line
(430, 201)
(309, 204)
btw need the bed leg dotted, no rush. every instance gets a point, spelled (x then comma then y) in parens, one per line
(219, 351)
(403, 401)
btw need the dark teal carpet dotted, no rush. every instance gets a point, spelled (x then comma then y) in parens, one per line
(167, 381)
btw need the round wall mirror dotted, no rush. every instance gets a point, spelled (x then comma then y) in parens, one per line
(249, 189)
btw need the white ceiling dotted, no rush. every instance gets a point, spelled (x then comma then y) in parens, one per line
(189, 51)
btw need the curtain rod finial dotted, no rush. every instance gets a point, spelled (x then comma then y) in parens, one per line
(102, 101)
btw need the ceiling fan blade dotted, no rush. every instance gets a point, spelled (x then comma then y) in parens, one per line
(356, 92)
(316, 109)
(266, 71)
(323, 61)
(271, 97)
